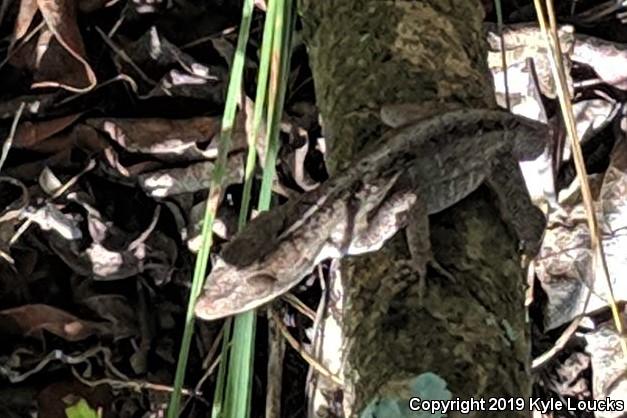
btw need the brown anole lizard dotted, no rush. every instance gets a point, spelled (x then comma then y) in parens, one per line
(396, 182)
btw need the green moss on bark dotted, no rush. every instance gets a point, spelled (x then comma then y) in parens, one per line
(367, 53)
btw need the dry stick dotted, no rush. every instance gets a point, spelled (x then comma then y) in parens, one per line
(299, 306)
(558, 74)
(205, 364)
(318, 328)
(209, 371)
(599, 254)
(539, 361)
(116, 26)
(303, 353)
(499, 17)
(588, 83)
(131, 384)
(12, 213)
(276, 346)
(542, 359)
(119, 77)
(207, 38)
(215, 345)
(9, 141)
(3, 155)
(599, 11)
(24, 41)
(122, 54)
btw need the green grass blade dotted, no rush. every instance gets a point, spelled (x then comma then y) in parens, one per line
(218, 394)
(215, 191)
(239, 379)
(260, 101)
(245, 324)
(251, 158)
(239, 382)
(278, 82)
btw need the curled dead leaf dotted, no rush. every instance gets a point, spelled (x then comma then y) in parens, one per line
(564, 266)
(193, 178)
(33, 319)
(169, 139)
(29, 134)
(57, 56)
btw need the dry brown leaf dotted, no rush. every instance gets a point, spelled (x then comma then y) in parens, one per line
(608, 59)
(564, 266)
(31, 320)
(523, 41)
(193, 178)
(57, 56)
(170, 139)
(113, 253)
(609, 380)
(34, 105)
(163, 70)
(29, 134)
(117, 310)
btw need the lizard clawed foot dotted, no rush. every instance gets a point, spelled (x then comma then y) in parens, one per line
(441, 270)
(419, 265)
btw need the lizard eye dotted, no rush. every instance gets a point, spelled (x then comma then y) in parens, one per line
(262, 279)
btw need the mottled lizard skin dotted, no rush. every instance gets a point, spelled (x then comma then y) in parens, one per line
(419, 169)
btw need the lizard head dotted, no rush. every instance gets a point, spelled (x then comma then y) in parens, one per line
(230, 290)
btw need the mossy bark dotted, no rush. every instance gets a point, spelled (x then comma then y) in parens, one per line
(470, 333)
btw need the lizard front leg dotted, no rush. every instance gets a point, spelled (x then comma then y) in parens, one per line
(402, 209)
(383, 221)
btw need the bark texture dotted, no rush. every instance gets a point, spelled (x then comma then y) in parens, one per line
(467, 338)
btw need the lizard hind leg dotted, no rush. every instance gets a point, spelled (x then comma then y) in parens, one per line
(419, 244)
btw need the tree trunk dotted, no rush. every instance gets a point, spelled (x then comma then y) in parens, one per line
(467, 338)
